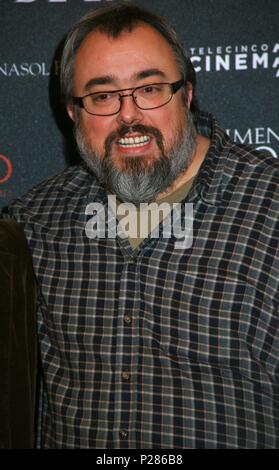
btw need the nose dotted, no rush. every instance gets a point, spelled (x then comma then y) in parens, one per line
(129, 112)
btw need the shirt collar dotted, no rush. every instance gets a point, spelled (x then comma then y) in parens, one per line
(210, 182)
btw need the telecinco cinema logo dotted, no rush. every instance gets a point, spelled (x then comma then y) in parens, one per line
(238, 57)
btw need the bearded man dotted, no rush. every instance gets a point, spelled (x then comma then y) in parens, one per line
(146, 344)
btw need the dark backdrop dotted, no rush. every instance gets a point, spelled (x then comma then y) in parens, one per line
(234, 46)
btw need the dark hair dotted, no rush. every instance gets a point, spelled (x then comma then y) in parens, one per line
(112, 20)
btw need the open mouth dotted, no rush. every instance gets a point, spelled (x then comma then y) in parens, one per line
(134, 142)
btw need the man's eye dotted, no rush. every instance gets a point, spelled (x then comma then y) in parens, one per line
(102, 97)
(150, 89)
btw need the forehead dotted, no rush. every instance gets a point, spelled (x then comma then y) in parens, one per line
(125, 56)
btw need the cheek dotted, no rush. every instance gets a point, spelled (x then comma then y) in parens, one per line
(172, 114)
(96, 129)
(171, 123)
(162, 121)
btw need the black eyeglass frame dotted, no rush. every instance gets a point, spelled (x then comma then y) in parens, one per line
(78, 100)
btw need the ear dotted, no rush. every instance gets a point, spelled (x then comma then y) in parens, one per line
(189, 94)
(70, 111)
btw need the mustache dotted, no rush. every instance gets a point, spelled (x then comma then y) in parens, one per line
(124, 129)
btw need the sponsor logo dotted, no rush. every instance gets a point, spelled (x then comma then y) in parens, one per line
(6, 169)
(24, 69)
(263, 139)
(141, 221)
(238, 57)
(205, 59)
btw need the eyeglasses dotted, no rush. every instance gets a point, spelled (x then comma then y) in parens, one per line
(108, 103)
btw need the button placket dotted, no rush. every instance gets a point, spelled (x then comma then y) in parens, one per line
(126, 375)
(123, 434)
(127, 319)
(129, 301)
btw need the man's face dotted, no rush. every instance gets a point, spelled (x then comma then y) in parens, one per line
(133, 59)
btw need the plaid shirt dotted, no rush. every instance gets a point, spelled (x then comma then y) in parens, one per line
(161, 347)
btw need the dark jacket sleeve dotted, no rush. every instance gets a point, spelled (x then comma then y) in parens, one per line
(18, 343)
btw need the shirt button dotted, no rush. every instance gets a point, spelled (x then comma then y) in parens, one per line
(123, 434)
(127, 319)
(125, 375)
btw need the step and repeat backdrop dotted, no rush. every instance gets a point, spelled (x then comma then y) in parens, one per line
(233, 44)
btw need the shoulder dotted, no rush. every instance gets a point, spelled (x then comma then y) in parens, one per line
(66, 183)
(234, 163)
(253, 158)
(253, 169)
(12, 238)
(56, 197)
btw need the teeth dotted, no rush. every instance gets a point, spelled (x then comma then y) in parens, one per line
(134, 141)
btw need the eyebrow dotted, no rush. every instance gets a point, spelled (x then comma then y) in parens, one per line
(112, 80)
(105, 80)
(150, 73)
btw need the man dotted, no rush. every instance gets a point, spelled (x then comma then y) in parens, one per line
(153, 341)
(18, 343)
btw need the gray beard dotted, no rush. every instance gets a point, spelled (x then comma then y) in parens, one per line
(140, 183)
